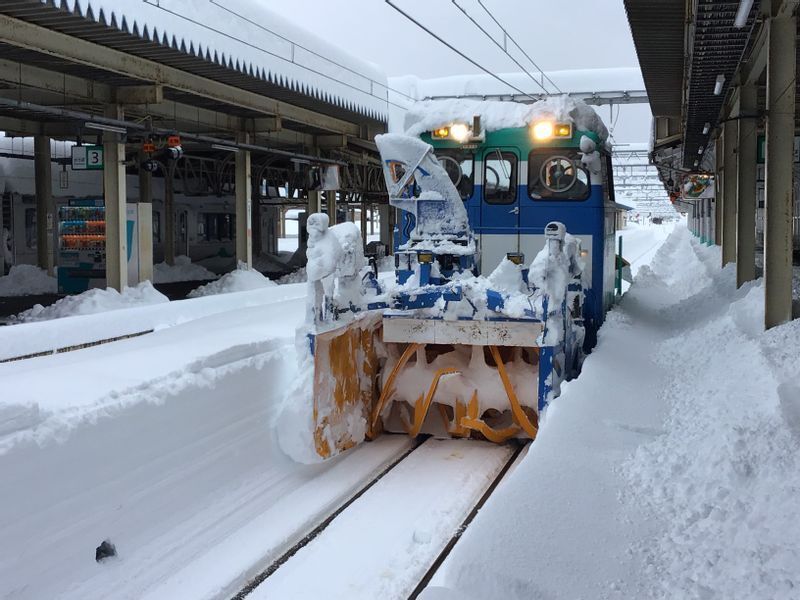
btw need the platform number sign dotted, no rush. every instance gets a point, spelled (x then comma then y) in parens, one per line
(87, 158)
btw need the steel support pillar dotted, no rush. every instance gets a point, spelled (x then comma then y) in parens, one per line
(363, 220)
(746, 186)
(780, 127)
(244, 189)
(145, 223)
(729, 180)
(114, 191)
(718, 191)
(384, 226)
(45, 207)
(314, 205)
(169, 213)
(330, 202)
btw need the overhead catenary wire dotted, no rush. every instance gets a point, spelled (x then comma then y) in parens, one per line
(499, 45)
(154, 4)
(520, 48)
(459, 52)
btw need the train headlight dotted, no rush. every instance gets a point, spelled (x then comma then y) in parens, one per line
(441, 132)
(459, 132)
(543, 130)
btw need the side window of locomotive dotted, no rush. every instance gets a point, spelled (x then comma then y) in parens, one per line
(460, 166)
(557, 174)
(500, 177)
(608, 180)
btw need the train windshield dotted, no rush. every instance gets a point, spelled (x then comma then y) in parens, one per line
(459, 165)
(557, 174)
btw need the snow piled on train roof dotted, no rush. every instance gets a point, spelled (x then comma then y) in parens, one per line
(429, 114)
(244, 36)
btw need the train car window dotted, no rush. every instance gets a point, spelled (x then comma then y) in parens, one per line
(460, 166)
(30, 228)
(213, 227)
(157, 226)
(557, 174)
(500, 177)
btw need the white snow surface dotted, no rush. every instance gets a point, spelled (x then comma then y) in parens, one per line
(669, 468)
(23, 280)
(429, 114)
(243, 36)
(182, 270)
(95, 301)
(243, 279)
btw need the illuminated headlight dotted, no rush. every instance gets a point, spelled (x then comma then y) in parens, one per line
(543, 130)
(563, 130)
(441, 132)
(459, 132)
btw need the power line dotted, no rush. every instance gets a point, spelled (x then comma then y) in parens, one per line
(508, 35)
(499, 45)
(457, 51)
(265, 51)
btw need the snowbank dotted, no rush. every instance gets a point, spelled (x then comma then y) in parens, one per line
(243, 279)
(23, 280)
(95, 301)
(669, 468)
(182, 270)
(430, 114)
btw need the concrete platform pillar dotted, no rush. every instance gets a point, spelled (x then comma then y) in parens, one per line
(729, 180)
(115, 193)
(45, 206)
(746, 186)
(780, 127)
(244, 190)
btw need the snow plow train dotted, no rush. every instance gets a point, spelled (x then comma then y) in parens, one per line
(440, 349)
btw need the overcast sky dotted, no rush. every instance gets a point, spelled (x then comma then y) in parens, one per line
(557, 34)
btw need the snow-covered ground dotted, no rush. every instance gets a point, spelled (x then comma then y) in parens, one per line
(667, 470)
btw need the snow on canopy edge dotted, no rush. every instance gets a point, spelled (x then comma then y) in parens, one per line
(240, 44)
(427, 115)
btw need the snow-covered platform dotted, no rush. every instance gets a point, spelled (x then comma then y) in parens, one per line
(669, 468)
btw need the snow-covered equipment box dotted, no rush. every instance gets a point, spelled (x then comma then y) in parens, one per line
(443, 350)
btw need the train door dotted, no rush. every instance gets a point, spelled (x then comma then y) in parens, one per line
(499, 206)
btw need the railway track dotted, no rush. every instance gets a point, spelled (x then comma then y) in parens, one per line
(391, 536)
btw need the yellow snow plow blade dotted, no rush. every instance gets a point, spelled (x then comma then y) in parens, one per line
(345, 385)
(352, 396)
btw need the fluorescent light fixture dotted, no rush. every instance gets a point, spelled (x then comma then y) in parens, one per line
(104, 127)
(742, 13)
(718, 85)
(706, 128)
(224, 147)
(700, 150)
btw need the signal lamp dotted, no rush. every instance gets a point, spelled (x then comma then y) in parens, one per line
(543, 130)
(441, 132)
(563, 130)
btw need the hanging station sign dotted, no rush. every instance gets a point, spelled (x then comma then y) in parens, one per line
(87, 158)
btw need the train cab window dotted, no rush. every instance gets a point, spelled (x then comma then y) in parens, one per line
(500, 177)
(556, 174)
(460, 166)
